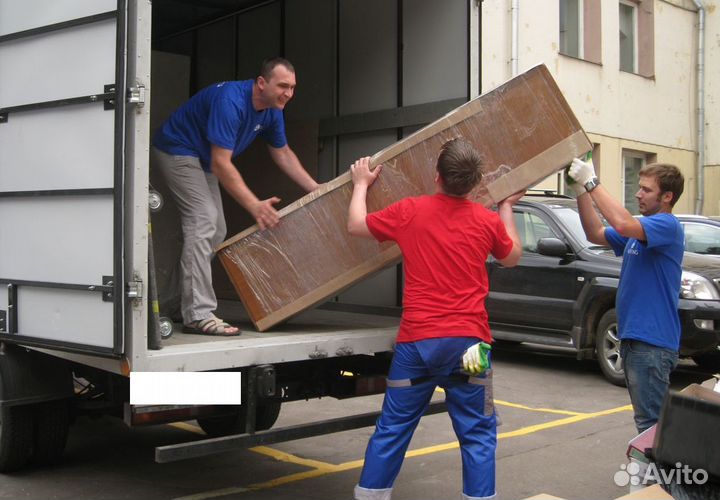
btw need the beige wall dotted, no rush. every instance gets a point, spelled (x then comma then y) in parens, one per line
(611, 159)
(619, 110)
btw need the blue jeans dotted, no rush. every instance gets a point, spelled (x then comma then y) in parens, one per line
(431, 363)
(647, 373)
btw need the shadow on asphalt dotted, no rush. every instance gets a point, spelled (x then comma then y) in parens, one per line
(563, 359)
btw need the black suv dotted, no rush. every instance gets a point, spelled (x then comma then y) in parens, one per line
(563, 291)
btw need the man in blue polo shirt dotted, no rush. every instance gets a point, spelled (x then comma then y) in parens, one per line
(194, 149)
(647, 298)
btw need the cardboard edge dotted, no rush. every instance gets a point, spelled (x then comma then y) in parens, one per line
(241, 291)
(297, 204)
(546, 162)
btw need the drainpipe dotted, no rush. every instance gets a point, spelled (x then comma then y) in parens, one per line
(515, 9)
(700, 76)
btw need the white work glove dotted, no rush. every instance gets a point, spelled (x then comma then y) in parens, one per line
(475, 360)
(572, 184)
(581, 171)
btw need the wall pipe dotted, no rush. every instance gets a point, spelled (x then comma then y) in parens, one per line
(514, 42)
(700, 75)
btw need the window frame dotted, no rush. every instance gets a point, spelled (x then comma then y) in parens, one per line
(634, 6)
(635, 155)
(579, 28)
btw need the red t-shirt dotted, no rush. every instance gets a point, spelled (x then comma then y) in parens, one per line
(445, 242)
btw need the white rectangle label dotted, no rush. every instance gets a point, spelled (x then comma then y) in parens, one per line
(185, 388)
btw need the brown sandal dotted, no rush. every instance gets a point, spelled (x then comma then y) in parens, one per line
(210, 326)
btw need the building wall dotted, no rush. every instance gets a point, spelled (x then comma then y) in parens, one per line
(712, 107)
(655, 115)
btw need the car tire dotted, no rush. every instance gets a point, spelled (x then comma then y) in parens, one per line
(607, 349)
(265, 417)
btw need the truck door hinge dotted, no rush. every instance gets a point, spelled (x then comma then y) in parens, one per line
(136, 95)
(134, 289)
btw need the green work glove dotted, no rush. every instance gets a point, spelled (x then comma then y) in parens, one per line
(475, 360)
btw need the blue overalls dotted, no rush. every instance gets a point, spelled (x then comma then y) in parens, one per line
(417, 368)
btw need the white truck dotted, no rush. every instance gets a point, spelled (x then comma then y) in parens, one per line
(78, 79)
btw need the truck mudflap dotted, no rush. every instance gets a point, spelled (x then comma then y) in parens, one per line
(204, 447)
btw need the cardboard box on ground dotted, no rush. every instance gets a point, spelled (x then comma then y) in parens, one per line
(524, 130)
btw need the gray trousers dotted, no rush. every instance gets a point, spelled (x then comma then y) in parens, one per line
(197, 195)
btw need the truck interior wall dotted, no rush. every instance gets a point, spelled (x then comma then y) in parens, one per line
(347, 62)
(170, 85)
(311, 44)
(368, 81)
(435, 51)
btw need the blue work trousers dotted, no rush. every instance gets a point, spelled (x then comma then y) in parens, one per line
(430, 363)
(647, 374)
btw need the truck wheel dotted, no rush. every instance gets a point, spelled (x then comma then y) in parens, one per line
(607, 349)
(16, 437)
(266, 416)
(52, 423)
(708, 361)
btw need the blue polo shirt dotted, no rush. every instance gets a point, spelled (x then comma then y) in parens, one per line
(221, 114)
(649, 290)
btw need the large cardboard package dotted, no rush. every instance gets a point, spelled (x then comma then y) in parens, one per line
(523, 129)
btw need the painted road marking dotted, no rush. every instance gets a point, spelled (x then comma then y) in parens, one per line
(319, 468)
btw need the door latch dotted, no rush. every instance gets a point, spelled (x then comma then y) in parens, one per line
(134, 289)
(136, 95)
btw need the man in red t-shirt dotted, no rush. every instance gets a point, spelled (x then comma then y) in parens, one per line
(445, 240)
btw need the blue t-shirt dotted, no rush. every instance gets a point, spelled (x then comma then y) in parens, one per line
(649, 289)
(221, 114)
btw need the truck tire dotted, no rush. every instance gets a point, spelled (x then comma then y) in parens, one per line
(16, 437)
(226, 425)
(52, 423)
(607, 349)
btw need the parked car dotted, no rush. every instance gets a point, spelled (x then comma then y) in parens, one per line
(702, 234)
(563, 291)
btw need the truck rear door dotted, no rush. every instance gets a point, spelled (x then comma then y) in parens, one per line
(62, 119)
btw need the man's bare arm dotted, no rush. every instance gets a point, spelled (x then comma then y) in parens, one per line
(222, 167)
(287, 160)
(362, 178)
(505, 211)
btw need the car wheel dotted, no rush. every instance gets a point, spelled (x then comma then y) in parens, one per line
(607, 348)
(226, 425)
(708, 361)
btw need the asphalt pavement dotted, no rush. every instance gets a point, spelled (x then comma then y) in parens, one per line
(564, 432)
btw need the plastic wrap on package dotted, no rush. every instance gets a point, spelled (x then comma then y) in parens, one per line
(524, 131)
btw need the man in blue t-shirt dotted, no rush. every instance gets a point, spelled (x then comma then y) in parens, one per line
(649, 289)
(194, 149)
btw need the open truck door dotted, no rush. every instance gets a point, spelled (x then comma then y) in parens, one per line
(63, 98)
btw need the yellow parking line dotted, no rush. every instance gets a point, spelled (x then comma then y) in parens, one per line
(214, 494)
(287, 457)
(323, 468)
(544, 410)
(187, 427)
